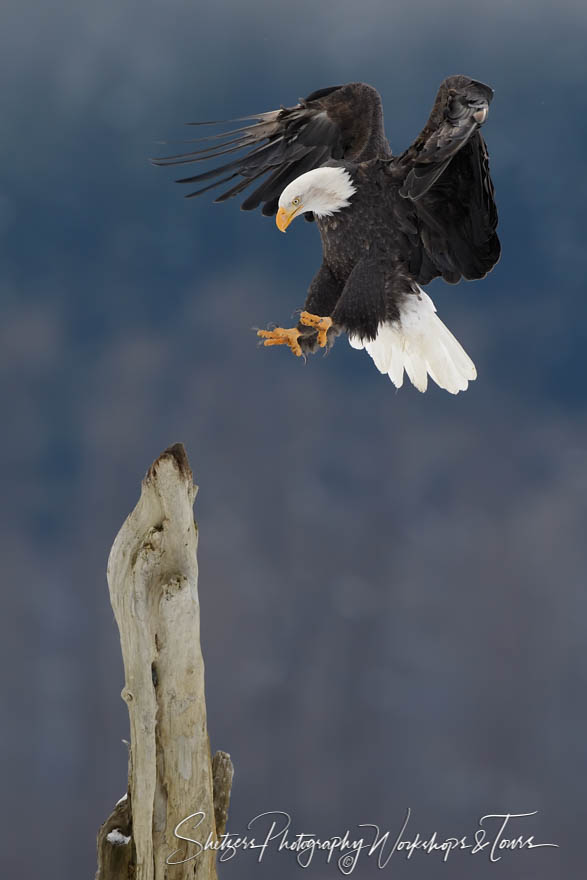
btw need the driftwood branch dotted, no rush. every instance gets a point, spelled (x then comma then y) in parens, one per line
(153, 581)
(222, 773)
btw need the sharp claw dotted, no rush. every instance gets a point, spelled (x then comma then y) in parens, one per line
(322, 325)
(282, 336)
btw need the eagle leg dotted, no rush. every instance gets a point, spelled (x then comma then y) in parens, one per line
(322, 325)
(282, 336)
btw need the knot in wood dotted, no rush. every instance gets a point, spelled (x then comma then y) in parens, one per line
(172, 587)
(153, 538)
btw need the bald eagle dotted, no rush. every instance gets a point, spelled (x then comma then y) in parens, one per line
(388, 224)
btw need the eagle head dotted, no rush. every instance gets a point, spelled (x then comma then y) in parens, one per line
(323, 191)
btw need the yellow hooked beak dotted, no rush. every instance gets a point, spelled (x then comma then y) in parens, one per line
(284, 217)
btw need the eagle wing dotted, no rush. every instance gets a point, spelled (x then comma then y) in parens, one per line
(452, 218)
(340, 122)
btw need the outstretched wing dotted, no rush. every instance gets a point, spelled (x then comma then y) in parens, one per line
(341, 122)
(449, 188)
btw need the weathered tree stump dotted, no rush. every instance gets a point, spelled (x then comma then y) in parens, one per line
(153, 581)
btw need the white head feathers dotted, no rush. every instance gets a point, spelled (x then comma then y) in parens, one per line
(322, 191)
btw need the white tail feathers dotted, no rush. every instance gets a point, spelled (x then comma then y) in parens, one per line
(420, 344)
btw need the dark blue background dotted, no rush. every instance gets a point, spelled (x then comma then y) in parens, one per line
(392, 584)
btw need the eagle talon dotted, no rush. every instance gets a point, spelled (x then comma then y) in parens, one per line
(282, 336)
(322, 325)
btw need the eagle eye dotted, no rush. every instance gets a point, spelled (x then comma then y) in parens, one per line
(295, 202)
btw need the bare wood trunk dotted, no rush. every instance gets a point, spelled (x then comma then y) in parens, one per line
(153, 581)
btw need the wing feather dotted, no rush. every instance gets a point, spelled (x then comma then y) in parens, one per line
(447, 187)
(339, 122)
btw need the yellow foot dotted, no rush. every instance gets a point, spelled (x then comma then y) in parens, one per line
(322, 325)
(282, 336)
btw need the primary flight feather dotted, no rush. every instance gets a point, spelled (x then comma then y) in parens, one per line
(388, 223)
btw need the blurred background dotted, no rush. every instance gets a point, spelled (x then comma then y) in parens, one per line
(392, 584)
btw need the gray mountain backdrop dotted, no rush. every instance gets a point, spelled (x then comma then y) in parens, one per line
(392, 584)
